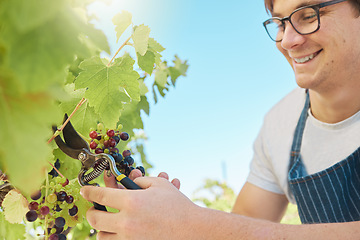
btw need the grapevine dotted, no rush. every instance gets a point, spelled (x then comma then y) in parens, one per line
(57, 206)
(47, 71)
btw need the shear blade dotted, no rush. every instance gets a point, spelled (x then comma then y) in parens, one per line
(72, 138)
(73, 153)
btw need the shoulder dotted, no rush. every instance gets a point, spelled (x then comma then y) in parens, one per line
(288, 109)
(273, 145)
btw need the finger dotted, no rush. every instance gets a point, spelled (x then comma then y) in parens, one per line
(164, 175)
(146, 182)
(111, 197)
(106, 236)
(110, 181)
(176, 183)
(102, 221)
(135, 174)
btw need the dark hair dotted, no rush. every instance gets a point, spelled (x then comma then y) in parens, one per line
(269, 5)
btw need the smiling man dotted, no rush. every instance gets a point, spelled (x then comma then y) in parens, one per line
(307, 151)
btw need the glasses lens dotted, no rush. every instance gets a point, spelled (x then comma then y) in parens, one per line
(274, 28)
(305, 21)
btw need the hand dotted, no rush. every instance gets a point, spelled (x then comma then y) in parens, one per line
(158, 211)
(111, 182)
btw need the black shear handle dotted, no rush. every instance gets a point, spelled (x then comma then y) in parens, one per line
(126, 182)
(99, 207)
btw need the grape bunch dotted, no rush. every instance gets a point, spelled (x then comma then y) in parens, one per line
(59, 203)
(106, 141)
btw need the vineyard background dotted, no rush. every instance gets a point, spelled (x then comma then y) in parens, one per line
(38, 44)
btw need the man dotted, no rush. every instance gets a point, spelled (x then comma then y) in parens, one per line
(306, 152)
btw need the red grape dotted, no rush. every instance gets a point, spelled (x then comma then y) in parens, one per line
(65, 183)
(93, 145)
(126, 153)
(93, 134)
(98, 150)
(112, 142)
(54, 237)
(110, 133)
(33, 206)
(44, 210)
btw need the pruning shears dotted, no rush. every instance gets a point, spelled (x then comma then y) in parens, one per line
(76, 147)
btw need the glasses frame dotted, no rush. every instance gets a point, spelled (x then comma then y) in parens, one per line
(316, 7)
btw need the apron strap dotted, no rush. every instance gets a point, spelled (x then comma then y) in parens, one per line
(296, 145)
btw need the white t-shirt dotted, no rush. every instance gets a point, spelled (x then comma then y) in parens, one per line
(323, 144)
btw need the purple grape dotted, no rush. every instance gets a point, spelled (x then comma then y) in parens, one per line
(58, 208)
(73, 211)
(60, 222)
(31, 215)
(142, 169)
(61, 196)
(124, 136)
(117, 139)
(62, 237)
(58, 230)
(129, 160)
(36, 195)
(69, 199)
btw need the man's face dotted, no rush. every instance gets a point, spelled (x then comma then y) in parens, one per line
(328, 58)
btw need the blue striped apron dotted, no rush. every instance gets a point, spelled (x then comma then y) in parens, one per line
(331, 195)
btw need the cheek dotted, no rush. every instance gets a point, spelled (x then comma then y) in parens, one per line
(284, 52)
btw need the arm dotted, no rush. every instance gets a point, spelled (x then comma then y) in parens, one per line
(160, 211)
(256, 202)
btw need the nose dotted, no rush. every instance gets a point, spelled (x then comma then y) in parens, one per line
(291, 38)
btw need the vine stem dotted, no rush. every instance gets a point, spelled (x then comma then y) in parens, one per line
(46, 194)
(56, 170)
(121, 47)
(82, 101)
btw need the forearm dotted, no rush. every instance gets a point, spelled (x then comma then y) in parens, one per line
(160, 211)
(213, 224)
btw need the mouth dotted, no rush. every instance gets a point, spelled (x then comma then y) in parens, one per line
(306, 58)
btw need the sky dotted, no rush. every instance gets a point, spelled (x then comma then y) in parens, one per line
(205, 127)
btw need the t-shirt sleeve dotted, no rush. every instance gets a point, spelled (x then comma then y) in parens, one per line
(261, 169)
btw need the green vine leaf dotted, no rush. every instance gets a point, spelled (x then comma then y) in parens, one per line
(121, 21)
(15, 206)
(156, 48)
(161, 75)
(108, 87)
(141, 39)
(85, 117)
(27, 15)
(146, 62)
(69, 167)
(25, 125)
(11, 231)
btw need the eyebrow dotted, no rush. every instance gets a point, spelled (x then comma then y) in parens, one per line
(303, 4)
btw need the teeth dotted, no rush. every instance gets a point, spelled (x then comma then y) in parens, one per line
(304, 59)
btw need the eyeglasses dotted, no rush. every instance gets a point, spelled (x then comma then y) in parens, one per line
(304, 20)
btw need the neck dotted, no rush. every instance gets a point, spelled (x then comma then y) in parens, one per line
(334, 107)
